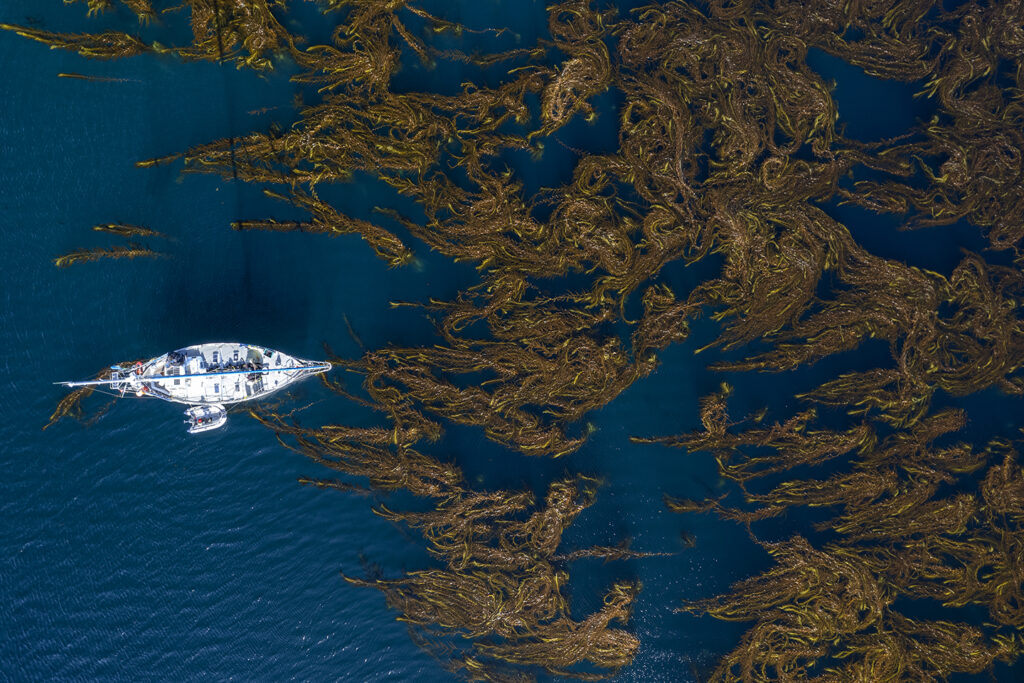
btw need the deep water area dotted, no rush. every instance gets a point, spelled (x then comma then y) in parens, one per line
(131, 550)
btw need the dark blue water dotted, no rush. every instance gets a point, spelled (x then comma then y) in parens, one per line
(132, 551)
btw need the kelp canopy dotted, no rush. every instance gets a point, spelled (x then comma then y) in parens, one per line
(731, 152)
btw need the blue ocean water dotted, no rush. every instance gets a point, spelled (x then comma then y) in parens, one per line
(132, 551)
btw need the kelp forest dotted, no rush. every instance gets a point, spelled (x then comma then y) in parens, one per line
(893, 534)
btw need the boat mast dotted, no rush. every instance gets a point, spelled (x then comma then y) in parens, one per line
(94, 382)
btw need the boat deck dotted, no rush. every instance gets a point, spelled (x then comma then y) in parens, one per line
(222, 373)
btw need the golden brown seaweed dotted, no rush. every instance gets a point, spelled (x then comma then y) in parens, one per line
(97, 253)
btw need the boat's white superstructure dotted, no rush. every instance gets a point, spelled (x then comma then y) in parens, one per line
(214, 374)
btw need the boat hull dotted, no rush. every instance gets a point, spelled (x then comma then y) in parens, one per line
(218, 374)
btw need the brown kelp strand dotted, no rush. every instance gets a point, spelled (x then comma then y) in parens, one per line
(97, 79)
(242, 30)
(329, 221)
(94, 6)
(497, 606)
(528, 395)
(835, 604)
(99, 253)
(507, 599)
(960, 334)
(904, 534)
(106, 45)
(577, 30)
(142, 8)
(372, 454)
(336, 485)
(970, 150)
(126, 230)
(906, 531)
(829, 610)
(71, 405)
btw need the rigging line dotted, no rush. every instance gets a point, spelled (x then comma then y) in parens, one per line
(220, 60)
(232, 147)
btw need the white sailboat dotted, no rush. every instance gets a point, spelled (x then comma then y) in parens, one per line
(208, 377)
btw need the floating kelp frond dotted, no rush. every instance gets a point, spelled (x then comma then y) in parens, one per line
(969, 152)
(106, 45)
(382, 456)
(566, 384)
(829, 606)
(71, 405)
(329, 221)
(95, 6)
(98, 79)
(364, 51)
(619, 552)
(578, 30)
(221, 30)
(97, 253)
(797, 445)
(501, 583)
(336, 485)
(563, 643)
(499, 596)
(978, 344)
(158, 160)
(125, 230)
(902, 536)
(142, 8)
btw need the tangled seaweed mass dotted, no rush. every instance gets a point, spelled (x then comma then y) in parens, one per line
(729, 152)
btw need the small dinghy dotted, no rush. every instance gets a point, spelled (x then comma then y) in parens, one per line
(205, 418)
(207, 376)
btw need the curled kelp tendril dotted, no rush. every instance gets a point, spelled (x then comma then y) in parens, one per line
(577, 30)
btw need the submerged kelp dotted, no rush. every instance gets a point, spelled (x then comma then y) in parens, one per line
(729, 152)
